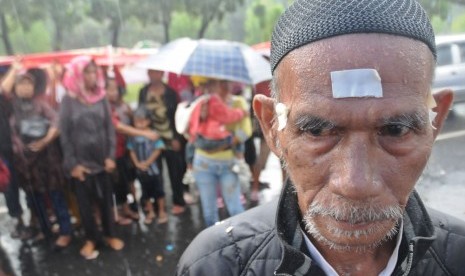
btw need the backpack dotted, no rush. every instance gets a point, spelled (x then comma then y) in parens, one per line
(184, 112)
(5, 176)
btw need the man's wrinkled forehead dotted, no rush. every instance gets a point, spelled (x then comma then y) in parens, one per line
(360, 57)
(354, 66)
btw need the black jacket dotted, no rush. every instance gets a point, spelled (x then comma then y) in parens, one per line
(267, 241)
(5, 128)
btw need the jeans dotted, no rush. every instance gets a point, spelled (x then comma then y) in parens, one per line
(12, 193)
(60, 207)
(209, 173)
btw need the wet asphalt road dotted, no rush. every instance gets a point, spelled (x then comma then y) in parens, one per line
(155, 249)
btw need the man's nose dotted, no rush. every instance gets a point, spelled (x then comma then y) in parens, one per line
(355, 172)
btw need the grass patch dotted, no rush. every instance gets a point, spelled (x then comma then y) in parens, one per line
(132, 92)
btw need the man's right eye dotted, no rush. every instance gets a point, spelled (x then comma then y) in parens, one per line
(394, 130)
(318, 131)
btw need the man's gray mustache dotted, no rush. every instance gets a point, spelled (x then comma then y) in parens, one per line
(354, 213)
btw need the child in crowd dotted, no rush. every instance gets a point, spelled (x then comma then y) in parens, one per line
(144, 154)
(124, 175)
(207, 129)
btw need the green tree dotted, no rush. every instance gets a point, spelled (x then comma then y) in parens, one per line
(183, 25)
(458, 24)
(110, 12)
(64, 15)
(261, 18)
(208, 10)
(159, 12)
(14, 15)
(438, 8)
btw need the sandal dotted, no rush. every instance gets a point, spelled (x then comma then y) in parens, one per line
(149, 218)
(177, 209)
(162, 219)
(124, 221)
(115, 243)
(62, 242)
(88, 251)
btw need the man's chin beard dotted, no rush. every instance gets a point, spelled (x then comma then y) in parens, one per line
(353, 213)
(314, 232)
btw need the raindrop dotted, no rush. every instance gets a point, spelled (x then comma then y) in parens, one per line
(169, 247)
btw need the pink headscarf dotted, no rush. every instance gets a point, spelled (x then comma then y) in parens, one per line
(73, 80)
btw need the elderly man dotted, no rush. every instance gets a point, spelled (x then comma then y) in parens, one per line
(354, 121)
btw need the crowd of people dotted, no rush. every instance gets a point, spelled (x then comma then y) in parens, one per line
(76, 149)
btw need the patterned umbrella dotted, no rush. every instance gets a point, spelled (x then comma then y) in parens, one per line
(218, 59)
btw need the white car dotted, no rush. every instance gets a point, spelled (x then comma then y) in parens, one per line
(450, 69)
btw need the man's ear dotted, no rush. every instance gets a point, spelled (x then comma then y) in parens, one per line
(263, 107)
(444, 99)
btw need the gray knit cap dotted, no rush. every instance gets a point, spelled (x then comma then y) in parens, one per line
(307, 21)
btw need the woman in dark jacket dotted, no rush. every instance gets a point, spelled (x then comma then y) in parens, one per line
(37, 157)
(88, 142)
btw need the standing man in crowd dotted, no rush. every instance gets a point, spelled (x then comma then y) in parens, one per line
(161, 101)
(353, 119)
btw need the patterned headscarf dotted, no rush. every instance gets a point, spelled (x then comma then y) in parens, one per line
(73, 80)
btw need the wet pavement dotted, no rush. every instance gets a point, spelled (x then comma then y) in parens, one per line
(155, 249)
(149, 250)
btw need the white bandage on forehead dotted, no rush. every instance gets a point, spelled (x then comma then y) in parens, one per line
(281, 113)
(356, 83)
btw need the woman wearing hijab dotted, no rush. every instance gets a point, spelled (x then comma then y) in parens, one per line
(37, 159)
(88, 142)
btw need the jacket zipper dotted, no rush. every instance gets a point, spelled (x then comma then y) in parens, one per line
(409, 259)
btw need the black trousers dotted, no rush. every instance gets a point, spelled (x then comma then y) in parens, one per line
(152, 186)
(176, 169)
(96, 190)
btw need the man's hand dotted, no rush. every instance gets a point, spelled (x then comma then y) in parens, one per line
(37, 146)
(17, 63)
(151, 135)
(142, 166)
(176, 145)
(109, 165)
(79, 172)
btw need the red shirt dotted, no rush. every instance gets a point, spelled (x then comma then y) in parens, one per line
(213, 126)
(120, 138)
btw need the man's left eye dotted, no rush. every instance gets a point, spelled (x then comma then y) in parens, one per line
(397, 130)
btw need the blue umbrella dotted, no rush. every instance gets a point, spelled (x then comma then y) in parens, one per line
(218, 59)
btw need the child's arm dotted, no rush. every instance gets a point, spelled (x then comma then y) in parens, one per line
(152, 157)
(140, 165)
(132, 131)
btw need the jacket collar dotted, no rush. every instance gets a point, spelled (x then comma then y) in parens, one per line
(419, 234)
